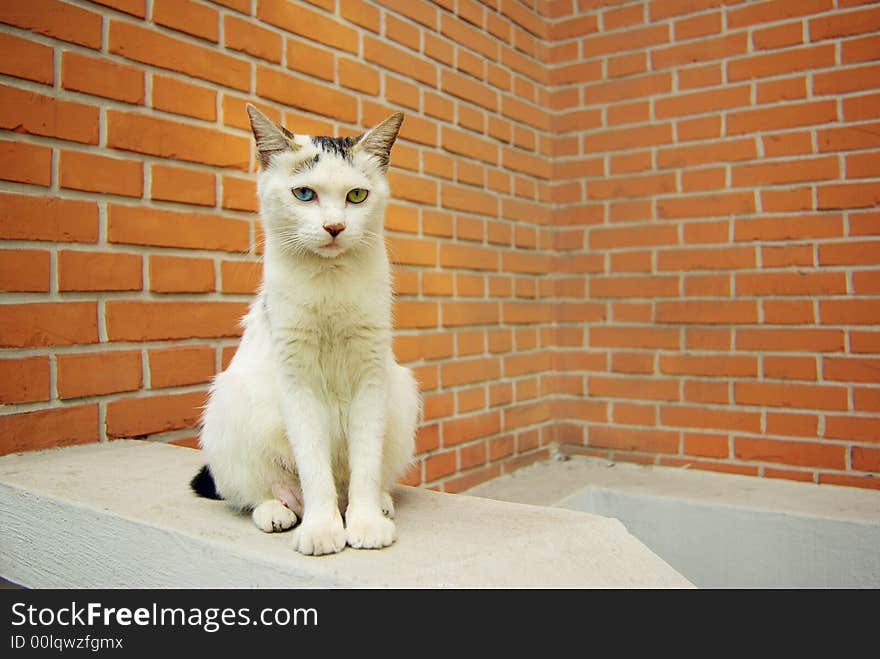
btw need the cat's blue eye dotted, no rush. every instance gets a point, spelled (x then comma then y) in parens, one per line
(304, 194)
(357, 195)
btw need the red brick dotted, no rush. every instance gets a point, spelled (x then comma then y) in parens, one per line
(412, 251)
(169, 139)
(152, 321)
(861, 107)
(179, 97)
(146, 226)
(465, 428)
(633, 337)
(700, 102)
(633, 387)
(304, 58)
(788, 116)
(689, 156)
(708, 418)
(852, 195)
(863, 165)
(631, 186)
(731, 203)
(187, 16)
(785, 171)
(791, 395)
(789, 227)
(400, 61)
(709, 365)
(139, 417)
(845, 138)
(26, 59)
(188, 186)
(170, 367)
(799, 340)
(799, 59)
(96, 173)
(357, 75)
(865, 459)
(792, 424)
(706, 445)
(48, 218)
(705, 50)
(24, 270)
(24, 380)
(317, 27)
(98, 373)
(98, 271)
(776, 10)
(48, 324)
(180, 274)
(54, 19)
(99, 77)
(790, 368)
(642, 287)
(149, 46)
(853, 428)
(856, 79)
(50, 428)
(25, 163)
(859, 50)
(241, 276)
(456, 314)
(631, 439)
(707, 311)
(804, 454)
(698, 129)
(851, 369)
(791, 283)
(239, 194)
(319, 98)
(137, 7)
(360, 13)
(244, 36)
(439, 465)
(27, 112)
(415, 314)
(843, 24)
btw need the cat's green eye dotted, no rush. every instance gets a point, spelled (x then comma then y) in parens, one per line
(304, 194)
(357, 195)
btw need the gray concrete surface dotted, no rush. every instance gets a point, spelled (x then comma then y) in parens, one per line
(719, 530)
(121, 515)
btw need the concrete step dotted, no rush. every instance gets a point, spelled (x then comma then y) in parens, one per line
(120, 515)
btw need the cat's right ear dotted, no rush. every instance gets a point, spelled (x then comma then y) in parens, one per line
(270, 138)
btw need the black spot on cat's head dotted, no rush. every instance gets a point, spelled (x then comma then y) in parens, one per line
(338, 146)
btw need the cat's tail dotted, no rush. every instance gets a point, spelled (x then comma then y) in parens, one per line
(203, 484)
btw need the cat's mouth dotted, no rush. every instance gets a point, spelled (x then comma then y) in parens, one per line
(332, 248)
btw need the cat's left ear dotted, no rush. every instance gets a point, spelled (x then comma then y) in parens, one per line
(378, 140)
(270, 137)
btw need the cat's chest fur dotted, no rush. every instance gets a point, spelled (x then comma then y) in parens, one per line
(331, 332)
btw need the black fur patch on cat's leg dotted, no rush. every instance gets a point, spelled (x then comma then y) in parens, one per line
(203, 484)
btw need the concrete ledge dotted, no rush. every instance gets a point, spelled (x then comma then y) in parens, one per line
(120, 515)
(719, 530)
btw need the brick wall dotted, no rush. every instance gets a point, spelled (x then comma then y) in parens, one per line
(640, 229)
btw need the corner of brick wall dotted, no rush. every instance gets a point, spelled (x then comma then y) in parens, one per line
(644, 230)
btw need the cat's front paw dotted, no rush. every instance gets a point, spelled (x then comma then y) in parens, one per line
(369, 530)
(321, 536)
(272, 516)
(387, 505)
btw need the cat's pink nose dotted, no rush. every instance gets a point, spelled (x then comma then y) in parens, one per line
(334, 229)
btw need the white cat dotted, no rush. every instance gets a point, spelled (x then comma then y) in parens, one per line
(313, 414)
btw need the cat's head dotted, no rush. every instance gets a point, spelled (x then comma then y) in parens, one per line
(322, 195)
